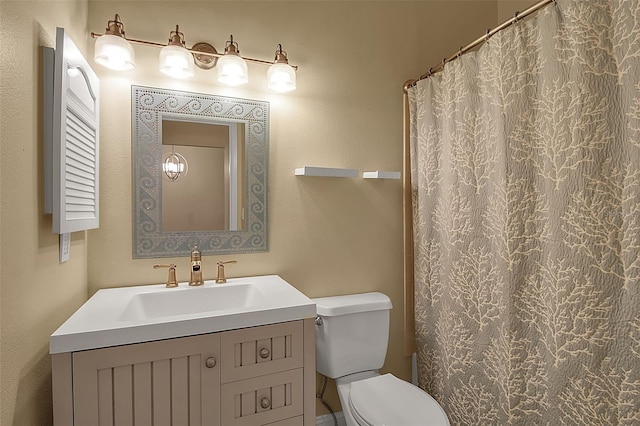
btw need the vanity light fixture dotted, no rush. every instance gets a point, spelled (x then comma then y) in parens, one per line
(175, 60)
(232, 69)
(114, 51)
(281, 76)
(175, 166)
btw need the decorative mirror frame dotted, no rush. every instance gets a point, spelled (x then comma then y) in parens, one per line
(148, 106)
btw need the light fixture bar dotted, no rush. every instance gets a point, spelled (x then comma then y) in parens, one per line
(195, 52)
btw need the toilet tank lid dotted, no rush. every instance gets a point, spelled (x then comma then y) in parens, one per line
(352, 303)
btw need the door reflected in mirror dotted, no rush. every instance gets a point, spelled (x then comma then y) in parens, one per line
(208, 194)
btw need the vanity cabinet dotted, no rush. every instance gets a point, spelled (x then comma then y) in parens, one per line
(251, 376)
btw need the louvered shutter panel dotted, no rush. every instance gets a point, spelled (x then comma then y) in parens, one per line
(75, 140)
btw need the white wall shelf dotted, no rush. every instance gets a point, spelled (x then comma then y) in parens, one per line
(378, 174)
(326, 172)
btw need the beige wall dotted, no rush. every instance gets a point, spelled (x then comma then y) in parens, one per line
(508, 8)
(197, 201)
(37, 293)
(326, 236)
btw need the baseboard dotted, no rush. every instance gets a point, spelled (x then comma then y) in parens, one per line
(327, 420)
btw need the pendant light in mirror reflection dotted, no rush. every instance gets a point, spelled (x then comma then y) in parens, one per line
(175, 166)
(113, 50)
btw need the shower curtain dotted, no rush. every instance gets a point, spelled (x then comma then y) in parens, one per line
(525, 168)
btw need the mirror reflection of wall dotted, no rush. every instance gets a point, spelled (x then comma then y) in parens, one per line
(208, 197)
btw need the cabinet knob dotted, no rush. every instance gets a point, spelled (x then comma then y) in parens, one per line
(264, 353)
(265, 402)
(211, 362)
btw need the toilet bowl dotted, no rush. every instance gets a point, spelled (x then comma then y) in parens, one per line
(352, 334)
(388, 400)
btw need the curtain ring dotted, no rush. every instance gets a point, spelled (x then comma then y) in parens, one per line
(430, 72)
(515, 17)
(487, 35)
(459, 52)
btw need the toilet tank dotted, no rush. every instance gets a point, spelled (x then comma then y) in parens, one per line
(352, 333)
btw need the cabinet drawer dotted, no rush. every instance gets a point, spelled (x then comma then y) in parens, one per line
(262, 400)
(258, 351)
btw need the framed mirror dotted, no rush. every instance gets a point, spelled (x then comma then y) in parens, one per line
(199, 168)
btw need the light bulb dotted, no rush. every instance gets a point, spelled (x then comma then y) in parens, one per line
(114, 52)
(281, 77)
(176, 61)
(232, 70)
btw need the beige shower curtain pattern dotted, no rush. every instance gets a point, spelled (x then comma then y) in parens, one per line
(525, 169)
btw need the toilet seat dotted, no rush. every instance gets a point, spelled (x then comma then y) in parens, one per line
(387, 400)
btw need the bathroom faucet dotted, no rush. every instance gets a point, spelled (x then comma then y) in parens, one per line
(195, 278)
(171, 281)
(221, 278)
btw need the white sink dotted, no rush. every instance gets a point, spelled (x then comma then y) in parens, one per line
(189, 301)
(126, 315)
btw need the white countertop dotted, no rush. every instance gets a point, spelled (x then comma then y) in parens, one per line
(114, 316)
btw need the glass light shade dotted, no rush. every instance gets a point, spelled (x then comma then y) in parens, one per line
(232, 70)
(281, 77)
(175, 166)
(176, 61)
(114, 52)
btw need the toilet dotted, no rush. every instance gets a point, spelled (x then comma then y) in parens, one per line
(352, 333)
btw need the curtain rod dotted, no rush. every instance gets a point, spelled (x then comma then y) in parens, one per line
(518, 16)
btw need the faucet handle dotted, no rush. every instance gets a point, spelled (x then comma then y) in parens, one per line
(221, 278)
(171, 280)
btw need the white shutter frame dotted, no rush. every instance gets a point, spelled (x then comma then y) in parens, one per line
(76, 115)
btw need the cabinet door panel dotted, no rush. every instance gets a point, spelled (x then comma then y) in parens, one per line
(262, 400)
(142, 398)
(261, 350)
(105, 397)
(294, 421)
(180, 391)
(195, 391)
(123, 395)
(154, 383)
(161, 392)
